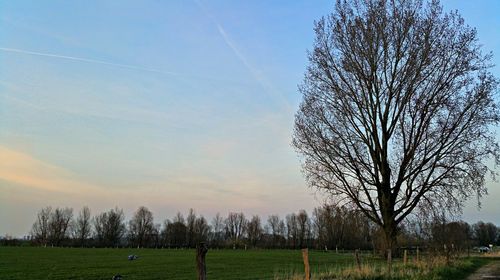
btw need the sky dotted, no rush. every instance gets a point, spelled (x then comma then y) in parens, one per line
(168, 104)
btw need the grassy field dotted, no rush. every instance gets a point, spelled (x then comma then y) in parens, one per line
(79, 263)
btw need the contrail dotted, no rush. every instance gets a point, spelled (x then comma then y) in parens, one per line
(87, 60)
(229, 42)
(237, 52)
(268, 86)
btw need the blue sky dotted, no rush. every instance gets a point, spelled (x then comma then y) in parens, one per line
(168, 104)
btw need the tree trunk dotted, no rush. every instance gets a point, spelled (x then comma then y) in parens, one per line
(390, 238)
(387, 202)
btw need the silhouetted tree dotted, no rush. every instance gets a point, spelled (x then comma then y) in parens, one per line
(303, 229)
(175, 232)
(292, 230)
(397, 109)
(276, 227)
(109, 227)
(190, 224)
(40, 229)
(141, 227)
(201, 230)
(82, 227)
(217, 238)
(235, 224)
(485, 233)
(254, 230)
(59, 222)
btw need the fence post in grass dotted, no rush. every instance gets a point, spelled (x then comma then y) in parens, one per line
(418, 254)
(358, 262)
(201, 251)
(447, 254)
(305, 257)
(389, 261)
(405, 257)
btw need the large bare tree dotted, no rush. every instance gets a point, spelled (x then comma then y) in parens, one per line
(398, 106)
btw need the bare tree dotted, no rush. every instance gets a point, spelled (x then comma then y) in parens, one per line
(190, 224)
(83, 227)
(397, 109)
(292, 230)
(217, 230)
(303, 229)
(254, 230)
(165, 234)
(156, 237)
(277, 229)
(341, 227)
(99, 223)
(40, 229)
(141, 227)
(59, 222)
(281, 233)
(235, 226)
(485, 233)
(273, 222)
(109, 227)
(201, 230)
(175, 232)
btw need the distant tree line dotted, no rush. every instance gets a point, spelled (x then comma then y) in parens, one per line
(328, 228)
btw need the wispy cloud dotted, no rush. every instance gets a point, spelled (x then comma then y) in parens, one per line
(23, 169)
(86, 60)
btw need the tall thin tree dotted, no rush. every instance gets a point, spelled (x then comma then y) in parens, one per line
(83, 227)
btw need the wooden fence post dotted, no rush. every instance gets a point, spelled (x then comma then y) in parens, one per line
(447, 254)
(305, 256)
(405, 257)
(418, 254)
(389, 261)
(358, 262)
(201, 251)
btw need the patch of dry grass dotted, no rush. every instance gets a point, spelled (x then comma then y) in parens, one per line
(430, 268)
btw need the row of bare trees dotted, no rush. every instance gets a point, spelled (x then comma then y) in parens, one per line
(329, 227)
(438, 233)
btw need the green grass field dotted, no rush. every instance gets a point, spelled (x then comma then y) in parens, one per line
(79, 263)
